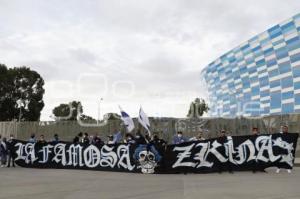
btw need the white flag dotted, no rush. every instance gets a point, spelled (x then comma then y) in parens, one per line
(144, 121)
(127, 120)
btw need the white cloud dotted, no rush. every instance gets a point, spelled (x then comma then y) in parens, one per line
(152, 50)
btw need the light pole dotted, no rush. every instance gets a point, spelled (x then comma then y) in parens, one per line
(20, 113)
(99, 102)
(20, 104)
(22, 90)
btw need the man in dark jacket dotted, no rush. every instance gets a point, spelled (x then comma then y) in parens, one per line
(139, 138)
(160, 144)
(42, 140)
(226, 166)
(77, 139)
(55, 139)
(97, 140)
(3, 149)
(255, 133)
(10, 148)
(86, 139)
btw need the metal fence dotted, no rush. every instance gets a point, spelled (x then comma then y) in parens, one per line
(165, 127)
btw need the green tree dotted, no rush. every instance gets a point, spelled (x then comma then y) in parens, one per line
(87, 118)
(197, 108)
(70, 112)
(21, 94)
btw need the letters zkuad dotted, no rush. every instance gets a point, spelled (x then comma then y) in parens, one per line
(239, 151)
(259, 150)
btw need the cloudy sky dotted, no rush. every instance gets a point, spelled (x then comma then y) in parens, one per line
(129, 53)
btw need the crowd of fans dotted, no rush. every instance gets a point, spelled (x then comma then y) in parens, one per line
(117, 138)
(7, 145)
(6, 151)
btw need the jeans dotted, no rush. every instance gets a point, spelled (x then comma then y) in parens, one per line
(3, 158)
(11, 158)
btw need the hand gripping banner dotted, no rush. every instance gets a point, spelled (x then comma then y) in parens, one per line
(236, 153)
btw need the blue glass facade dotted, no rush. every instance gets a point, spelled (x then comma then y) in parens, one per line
(259, 77)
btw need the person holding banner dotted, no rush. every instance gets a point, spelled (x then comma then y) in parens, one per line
(178, 139)
(160, 143)
(42, 140)
(32, 138)
(199, 137)
(117, 136)
(110, 139)
(77, 138)
(255, 133)
(97, 140)
(4, 151)
(139, 138)
(10, 151)
(55, 139)
(223, 139)
(284, 130)
(129, 139)
(85, 139)
(0, 148)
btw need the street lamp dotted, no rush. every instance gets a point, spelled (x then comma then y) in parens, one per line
(21, 104)
(99, 102)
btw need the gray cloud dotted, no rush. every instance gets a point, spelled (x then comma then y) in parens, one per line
(83, 56)
(156, 47)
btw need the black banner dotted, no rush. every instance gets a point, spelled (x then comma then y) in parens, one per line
(234, 153)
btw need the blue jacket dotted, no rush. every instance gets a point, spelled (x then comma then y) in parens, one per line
(179, 140)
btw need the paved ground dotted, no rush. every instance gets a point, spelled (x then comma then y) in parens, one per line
(24, 183)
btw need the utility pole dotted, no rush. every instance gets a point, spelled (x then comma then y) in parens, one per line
(99, 103)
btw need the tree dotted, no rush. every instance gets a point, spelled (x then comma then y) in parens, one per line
(87, 118)
(197, 108)
(21, 94)
(70, 112)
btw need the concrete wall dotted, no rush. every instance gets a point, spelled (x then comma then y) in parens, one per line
(166, 127)
(66, 130)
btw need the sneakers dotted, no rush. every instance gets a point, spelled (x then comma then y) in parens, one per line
(288, 170)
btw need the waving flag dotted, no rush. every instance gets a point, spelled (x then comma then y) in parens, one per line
(144, 121)
(127, 120)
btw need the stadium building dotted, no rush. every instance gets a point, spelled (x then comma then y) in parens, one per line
(259, 77)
